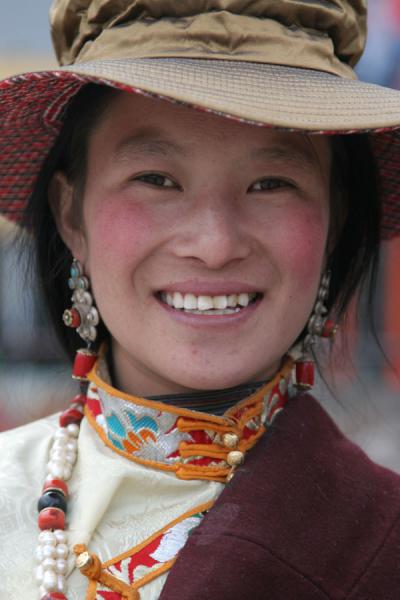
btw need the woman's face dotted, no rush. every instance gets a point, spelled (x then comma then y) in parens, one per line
(182, 207)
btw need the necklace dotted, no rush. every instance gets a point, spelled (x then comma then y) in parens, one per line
(52, 551)
(214, 458)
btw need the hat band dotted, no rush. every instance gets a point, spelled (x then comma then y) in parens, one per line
(214, 35)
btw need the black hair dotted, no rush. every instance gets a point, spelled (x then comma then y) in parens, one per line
(355, 212)
(354, 259)
(53, 258)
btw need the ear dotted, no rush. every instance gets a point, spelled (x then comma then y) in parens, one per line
(63, 206)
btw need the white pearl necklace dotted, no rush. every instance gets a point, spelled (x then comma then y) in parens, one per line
(52, 554)
(63, 452)
(52, 551)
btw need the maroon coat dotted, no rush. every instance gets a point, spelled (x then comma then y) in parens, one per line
(307, 517)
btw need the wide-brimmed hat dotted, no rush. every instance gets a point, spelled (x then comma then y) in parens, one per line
(276, 63)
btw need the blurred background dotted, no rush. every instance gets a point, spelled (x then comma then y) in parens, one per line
(363, 393)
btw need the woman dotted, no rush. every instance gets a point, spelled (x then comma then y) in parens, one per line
(207, 254)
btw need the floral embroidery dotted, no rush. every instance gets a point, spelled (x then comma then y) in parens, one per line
(145, 432)
(150, 558)
(188, 442)
(141, 430)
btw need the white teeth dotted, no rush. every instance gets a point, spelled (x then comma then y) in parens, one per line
(220, 302)
(189, 301)
(243, 299)
(232, 300)
(208, 304)
(177, 300)
(204, 303)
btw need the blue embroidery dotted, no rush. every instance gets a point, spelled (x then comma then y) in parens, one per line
(115, 425)
(119, 427)
(116, 443)
(142, 423)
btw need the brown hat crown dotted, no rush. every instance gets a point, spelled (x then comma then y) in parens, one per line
(326, 35)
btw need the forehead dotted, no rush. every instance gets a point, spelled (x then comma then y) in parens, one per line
(134, 123)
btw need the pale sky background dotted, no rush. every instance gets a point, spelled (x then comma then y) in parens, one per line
(24, 27)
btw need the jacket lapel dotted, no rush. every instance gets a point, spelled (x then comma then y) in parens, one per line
(302, 518)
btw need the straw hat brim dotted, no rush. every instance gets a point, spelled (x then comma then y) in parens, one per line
(279, 96)
(293, 99)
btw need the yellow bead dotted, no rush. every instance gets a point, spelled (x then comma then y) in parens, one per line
(235, 458)
(83, 560)
(230, 440)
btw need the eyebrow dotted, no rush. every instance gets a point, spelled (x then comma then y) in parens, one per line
(147, 142)
(297, 157)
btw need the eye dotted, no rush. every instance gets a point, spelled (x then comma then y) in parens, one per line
(269, 184)
(156, 179)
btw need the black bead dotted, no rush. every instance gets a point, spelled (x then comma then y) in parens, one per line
(52, 499)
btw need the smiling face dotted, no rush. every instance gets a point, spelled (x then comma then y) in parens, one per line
(204, 240)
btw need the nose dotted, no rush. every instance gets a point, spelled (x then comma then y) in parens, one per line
(214, 232)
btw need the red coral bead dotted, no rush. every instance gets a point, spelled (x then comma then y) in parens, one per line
(72, 318)
(83, 364)
(305, 374)
(54, 596)
(51, 518)
(69, 416)
(56, 484)
(329, 329)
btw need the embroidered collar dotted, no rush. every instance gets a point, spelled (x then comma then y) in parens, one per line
(194, 445)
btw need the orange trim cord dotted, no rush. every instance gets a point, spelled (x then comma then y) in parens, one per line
(186, 425)
(90, 566)
(188, 472)
(214, 450)
(104, 574)
(207, 447)
(92, 590)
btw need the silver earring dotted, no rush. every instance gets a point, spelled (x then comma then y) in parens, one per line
(82, 315)
(318, 326)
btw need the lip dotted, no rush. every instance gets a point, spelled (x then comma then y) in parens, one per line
(210, 288)
(196, 320)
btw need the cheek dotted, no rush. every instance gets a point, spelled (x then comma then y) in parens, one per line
(301, 241)
(119, 233)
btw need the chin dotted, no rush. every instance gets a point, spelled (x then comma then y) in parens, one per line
(218, 378)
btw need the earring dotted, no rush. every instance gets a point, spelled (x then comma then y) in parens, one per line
(83, 317)
(318, 326)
